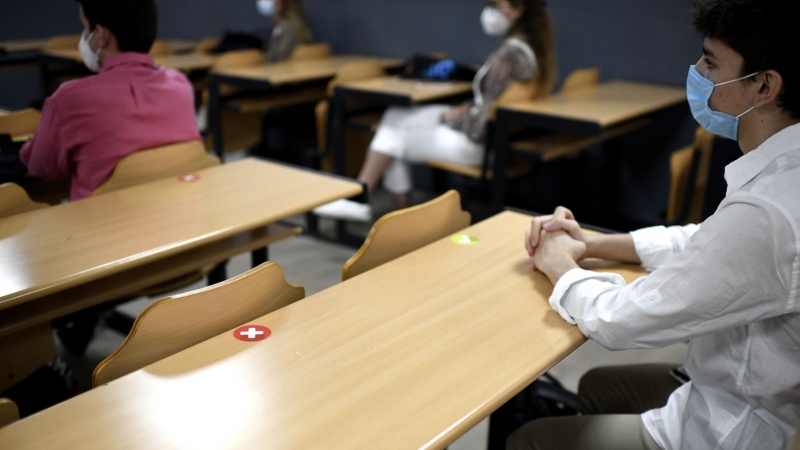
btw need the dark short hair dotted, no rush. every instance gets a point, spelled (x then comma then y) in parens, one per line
(763, 32)
(133, 22)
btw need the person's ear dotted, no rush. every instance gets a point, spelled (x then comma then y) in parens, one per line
(770, 87)
(102, 36)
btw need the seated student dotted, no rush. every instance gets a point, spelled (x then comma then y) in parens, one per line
(731, 286)
(291, 27)
(418, 134)
(90, 124)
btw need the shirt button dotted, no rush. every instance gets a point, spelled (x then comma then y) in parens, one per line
(652, 296)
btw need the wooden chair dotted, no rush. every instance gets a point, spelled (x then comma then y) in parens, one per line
(20, 125)
(689, 168)
(9, 413)
(358, 140)
(311, 51)
(207, 44)
(160, 48)
(14, 200)
(581, 78)
(177, 323)
(404, 231)
(163, 162)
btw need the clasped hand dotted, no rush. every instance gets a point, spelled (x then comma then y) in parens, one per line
(555, 243)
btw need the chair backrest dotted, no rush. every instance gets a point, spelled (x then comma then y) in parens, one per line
(795, 444)
(404, 231)
(8, 412)
(14, 200)
(518, 92)
(174, 324)
(207, 44)
(160, 48)
(240, 58)
(581, 78)
(65, 41)
(355, 71)
(311, 51)
(682, 163)
(163, 162)
(20, 123)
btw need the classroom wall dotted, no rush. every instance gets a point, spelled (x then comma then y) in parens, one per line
(644, 40)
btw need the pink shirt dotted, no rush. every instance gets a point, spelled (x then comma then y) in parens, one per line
(90, 124)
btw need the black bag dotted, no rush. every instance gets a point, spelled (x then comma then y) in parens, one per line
(238, 41)
(546, 397)
(428, 68)
(12, 170)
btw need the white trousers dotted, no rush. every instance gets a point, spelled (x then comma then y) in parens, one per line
(416, 135)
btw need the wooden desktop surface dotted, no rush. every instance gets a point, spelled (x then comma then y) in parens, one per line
(417, 91)
(50, 250)
(181, 45)
(23, 45)
(184, 62)
(4, 112)
(607, 104)
(409, 355)
(300, 71)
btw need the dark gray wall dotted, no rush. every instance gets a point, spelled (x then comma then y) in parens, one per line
(645, 40)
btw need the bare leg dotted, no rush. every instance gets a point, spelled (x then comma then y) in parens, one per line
(373, 169)
(402, 201)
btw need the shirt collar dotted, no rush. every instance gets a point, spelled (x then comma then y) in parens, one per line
(744, 169)
(127, 59)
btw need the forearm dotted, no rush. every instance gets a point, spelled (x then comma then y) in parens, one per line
(612, 247)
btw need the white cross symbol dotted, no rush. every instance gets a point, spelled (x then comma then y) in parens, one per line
(251, 333)
(465, 240)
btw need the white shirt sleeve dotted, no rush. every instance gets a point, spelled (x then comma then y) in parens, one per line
(735, 270)
(656, 245)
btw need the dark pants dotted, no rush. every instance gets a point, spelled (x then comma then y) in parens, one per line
(612, 400)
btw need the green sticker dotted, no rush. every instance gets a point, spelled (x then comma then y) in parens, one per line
(464, 239)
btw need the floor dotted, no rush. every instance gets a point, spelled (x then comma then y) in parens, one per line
(317, 265)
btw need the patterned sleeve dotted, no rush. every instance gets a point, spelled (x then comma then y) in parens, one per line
(511, 64)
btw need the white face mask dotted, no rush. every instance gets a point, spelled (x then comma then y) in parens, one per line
(494, 22)
(266, 7)
(90, 59)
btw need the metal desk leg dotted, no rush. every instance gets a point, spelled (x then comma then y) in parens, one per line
(338, 142)
(215, 116)
(502, 147)
(259, 256)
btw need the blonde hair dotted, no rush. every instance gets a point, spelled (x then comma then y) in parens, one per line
(292, 10)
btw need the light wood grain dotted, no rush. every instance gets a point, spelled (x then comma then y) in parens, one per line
(24, 353)
(8, 412)
(67, 41)
(177, 323)
(607, 104)
(158, 163)
(311, 51)
(181, 45)
(20, 124)
(404, 231)
(14, 200)
(409, 355)
(131, 282)
(46, 251)
(416, 91)
(183, 62)
(23, 45)
(300, 71)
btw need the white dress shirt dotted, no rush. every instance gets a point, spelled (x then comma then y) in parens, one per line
(730, 287)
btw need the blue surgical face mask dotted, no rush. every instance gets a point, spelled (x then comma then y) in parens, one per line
(699, 90)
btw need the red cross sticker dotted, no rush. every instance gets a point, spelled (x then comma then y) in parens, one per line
(252, 333)
(188, 178)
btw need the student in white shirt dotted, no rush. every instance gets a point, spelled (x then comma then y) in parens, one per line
(731, 286)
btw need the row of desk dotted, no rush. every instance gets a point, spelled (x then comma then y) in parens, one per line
(409, 355)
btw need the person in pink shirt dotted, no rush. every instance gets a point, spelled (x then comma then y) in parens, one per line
(90, 124)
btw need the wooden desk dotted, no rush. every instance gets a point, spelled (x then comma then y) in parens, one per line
(274, 77)
(183, 62)
(23, 45)
(588, 112)
(4, 112)
(181, 45)
(69, 257)
(384, 92)
(409, 355)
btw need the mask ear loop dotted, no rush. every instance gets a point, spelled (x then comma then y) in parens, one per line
(738, 79)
